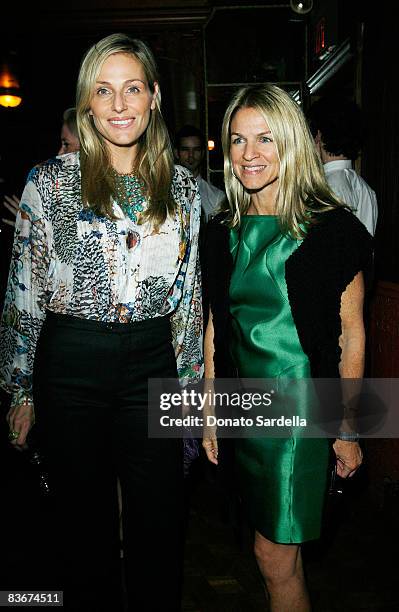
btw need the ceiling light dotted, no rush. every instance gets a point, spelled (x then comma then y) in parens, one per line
(301, 6)
(10, 93)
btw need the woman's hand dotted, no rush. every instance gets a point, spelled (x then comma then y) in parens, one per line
(12, 204)
(209, 440)
(349, 457)
(20, 419)
(210, 445)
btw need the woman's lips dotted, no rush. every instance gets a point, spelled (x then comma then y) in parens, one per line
(251, 170)
(121, 123)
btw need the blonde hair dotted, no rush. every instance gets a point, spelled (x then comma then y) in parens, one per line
(302, 189)
(154, 163)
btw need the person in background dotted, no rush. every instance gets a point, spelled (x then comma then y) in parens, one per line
(189, 152)
(283, 269)
(336, 127)
(69, 144)
(104, 294)
(69, 132)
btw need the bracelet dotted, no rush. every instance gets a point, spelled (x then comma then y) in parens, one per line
(348, 436)
(21, 397)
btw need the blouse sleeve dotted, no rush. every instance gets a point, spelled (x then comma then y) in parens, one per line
(25, 298)
(187, 320)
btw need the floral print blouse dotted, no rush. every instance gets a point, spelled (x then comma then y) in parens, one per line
(68, 260)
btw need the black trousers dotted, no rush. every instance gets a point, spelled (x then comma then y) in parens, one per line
(90, 394)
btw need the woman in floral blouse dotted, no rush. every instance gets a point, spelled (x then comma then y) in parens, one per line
(103, 294)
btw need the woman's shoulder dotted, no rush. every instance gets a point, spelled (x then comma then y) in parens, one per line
(337, 245)
(184, 187)
(183, 178)
(339, 226)
(69, 160)
(52, 168)
(52, 183)
(340, 219)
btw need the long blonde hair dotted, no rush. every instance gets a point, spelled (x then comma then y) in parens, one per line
(154, 163)
(302, 189)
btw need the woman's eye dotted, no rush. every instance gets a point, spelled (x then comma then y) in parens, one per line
(102, 91)
(265, 139)
(134, 89)
(237, 140)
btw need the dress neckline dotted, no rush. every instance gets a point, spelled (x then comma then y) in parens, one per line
(259, 217)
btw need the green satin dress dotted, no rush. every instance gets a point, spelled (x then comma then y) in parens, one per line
(282, 480)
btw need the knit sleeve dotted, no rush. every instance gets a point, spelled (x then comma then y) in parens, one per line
(216, 268)
(335, 249)
(351, 246)
(215, 261)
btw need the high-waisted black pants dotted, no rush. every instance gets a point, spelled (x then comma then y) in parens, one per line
(90, 395)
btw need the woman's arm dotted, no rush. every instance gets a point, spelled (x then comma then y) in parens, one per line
(352, 339)
(187, 319)
(23, 312)
(352, 343)
(209, 441)
(209, 348)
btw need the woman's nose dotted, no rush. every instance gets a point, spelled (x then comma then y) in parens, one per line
(250, 151)
(119, 102)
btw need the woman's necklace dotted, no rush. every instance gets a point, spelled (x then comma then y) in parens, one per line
(129, 195)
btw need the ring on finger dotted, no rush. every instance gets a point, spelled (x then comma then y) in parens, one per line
(13, 435)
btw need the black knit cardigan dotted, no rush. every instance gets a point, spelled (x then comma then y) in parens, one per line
(318, 271)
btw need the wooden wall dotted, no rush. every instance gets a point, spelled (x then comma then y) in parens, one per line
(382, 455)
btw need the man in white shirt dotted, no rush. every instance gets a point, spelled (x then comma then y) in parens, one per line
(189, 152)
(336, 127)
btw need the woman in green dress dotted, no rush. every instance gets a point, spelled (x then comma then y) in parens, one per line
(283, 274)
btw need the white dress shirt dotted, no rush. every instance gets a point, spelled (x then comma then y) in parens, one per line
(211, 197)
(352, 189)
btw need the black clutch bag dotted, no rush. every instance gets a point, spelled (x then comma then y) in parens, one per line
(337, 484)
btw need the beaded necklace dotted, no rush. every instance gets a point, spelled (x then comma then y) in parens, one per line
(129, 194)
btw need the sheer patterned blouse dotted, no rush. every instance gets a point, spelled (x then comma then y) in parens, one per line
(68, 260)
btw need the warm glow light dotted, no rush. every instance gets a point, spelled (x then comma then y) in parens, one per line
(7, 80)
(10, 101)
(10, 92)
(211, 145)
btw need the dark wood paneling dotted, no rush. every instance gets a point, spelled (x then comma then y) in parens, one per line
(384, 333)
(382, 455)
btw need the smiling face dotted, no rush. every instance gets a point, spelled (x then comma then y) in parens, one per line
(121, 103)
(253, 153)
